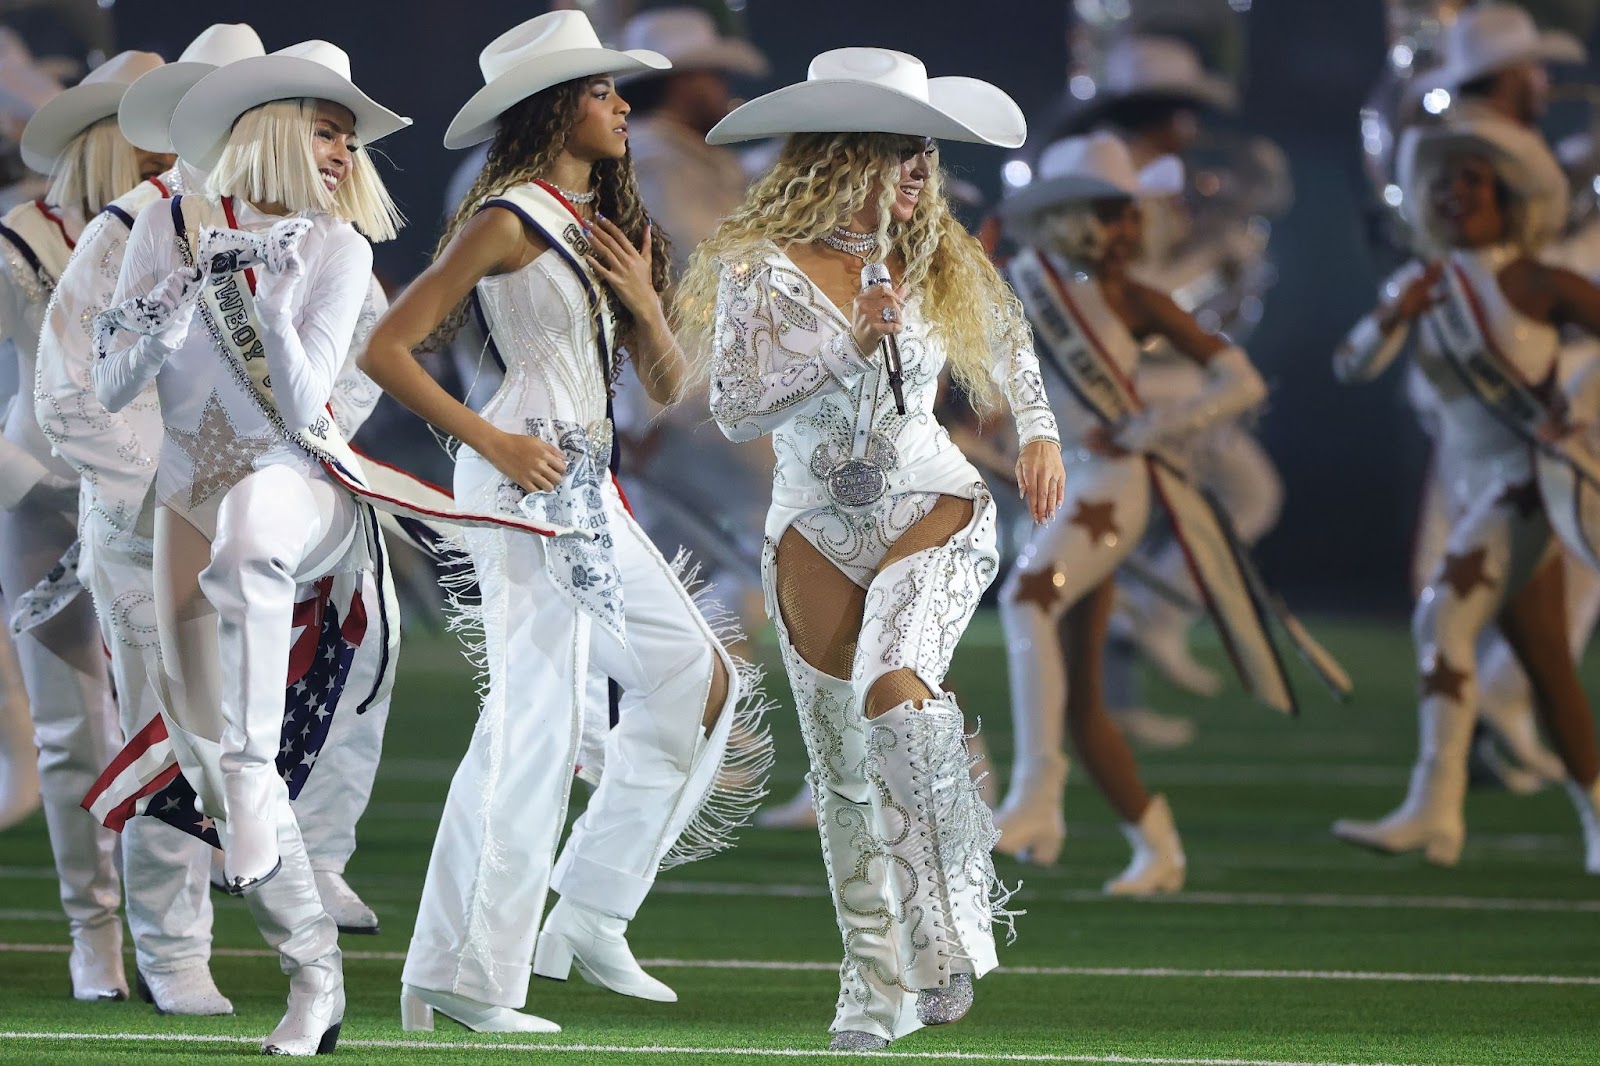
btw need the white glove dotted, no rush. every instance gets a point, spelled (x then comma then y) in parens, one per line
(164, 315)
(276, 251)
(1232, 387)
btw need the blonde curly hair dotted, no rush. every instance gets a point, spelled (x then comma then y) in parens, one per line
(823, 180)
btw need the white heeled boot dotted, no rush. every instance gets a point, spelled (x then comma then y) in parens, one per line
(1515, 725)
(256, 801)
(575, 935)
(348, 911)
(1160, 630)
(1031, 824)
(1587, 801)
(1432, 818)
(1158, 865)
(799, 813)
(417, 1006)
(95, 964)
(290, 915)
(188, 989)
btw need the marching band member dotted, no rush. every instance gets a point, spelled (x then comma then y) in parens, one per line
(73, 138)
(881, 535)
(553, 248)
(1487, 315)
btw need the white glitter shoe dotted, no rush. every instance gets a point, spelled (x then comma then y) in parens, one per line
(188, 990)
(941, 1006)
(348, 911)
(855, 1040)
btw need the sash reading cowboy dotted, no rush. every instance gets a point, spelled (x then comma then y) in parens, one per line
(1567, 470)
(1233, 592)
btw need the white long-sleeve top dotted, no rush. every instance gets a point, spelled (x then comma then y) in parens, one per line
(215, 434)
(25, 454)
(784, 362)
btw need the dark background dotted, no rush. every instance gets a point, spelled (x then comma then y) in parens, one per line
(1352, 458)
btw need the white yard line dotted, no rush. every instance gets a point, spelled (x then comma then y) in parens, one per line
(779, 966)
(659, 1049)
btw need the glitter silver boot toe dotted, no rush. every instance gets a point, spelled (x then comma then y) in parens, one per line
(941, 1006)
(855, 1040)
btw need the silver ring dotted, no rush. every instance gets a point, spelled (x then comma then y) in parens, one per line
(888, 314)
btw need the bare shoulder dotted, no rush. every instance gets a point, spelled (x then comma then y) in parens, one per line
(498, 238)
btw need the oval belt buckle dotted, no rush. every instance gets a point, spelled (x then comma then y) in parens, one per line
(857, 483)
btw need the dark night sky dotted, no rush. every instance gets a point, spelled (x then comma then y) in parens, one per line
(1351, 457)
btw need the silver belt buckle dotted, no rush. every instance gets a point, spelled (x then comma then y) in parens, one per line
(857, 483)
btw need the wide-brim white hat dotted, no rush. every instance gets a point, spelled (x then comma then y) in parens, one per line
(1146, 67)
(71, 111)
(528, 58)
(1492, 37)
(1519, 155)
(313, 70)
(878, 90)
(1093, 167)
(145, 114)
(688, 38)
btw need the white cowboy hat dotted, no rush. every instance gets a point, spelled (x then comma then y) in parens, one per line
(1157, 67)
(877, 90)
(74, 110)
(1519, 155)
(529, 58)
(688, 38)
(1094, 167)
(1492, 37)
(313, 70)
(146, 111)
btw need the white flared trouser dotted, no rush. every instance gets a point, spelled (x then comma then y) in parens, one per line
(905, 836)
(74, 721)
(494, 859)
(225, 602)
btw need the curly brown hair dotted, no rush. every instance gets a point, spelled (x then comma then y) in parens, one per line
(532, 132)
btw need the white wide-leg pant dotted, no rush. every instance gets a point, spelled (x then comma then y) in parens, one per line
(494, 859)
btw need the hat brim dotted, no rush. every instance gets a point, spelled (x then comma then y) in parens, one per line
(145, 114)
(1553, 46)
(730, 55)
(1208, 92)
(957, 109)
(476, 121)
(63, 117)
(1164, 177)
(205, 116)
(1529, 168)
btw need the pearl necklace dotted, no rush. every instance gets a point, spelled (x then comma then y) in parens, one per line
(850, 242)
(579, 198)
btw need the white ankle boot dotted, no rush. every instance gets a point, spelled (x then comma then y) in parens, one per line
(1032, 827)
(1158, 864)
(1432, 818)
(575, 935)
(799, 813)
(250, 850)
(348, 911)
(1163, 638)
(95, 964)
(1152, 729)
(1587, 801)
(186, 990)
(418, 1004)
(316, 1010)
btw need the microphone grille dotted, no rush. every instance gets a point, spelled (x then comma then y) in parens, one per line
(874, 274)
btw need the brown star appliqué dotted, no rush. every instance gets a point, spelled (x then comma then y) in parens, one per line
(1442, 679)
(1099, 520)
(1042, 588)
(1524, 497)
(1466, 572)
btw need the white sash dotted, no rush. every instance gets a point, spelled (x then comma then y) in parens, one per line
(1567, 471)
(1233, 592)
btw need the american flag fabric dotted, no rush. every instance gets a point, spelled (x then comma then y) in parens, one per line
(330, 629)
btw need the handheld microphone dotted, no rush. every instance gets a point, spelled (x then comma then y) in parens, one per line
(878, 274)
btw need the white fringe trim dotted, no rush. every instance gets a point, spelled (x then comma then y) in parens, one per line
(741, 781)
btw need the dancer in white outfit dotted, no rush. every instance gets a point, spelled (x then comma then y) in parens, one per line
(1487, 315)
(555, 249)
(881, 536)
(75, 139)
(1083, 213)
(209, 291)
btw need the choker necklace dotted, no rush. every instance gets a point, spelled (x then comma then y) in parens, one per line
(571, 197)
(859, 245)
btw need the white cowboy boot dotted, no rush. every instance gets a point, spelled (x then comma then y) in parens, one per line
(1152, 729)
(256, 801)
(348, 911)
(1515, 725)
(1031, 824)
(799, 813)
(417, 1006)
(1432, 817)
(575, 935)
(1158, 865)
(95, 964)
(188, 989)
(1587, 801)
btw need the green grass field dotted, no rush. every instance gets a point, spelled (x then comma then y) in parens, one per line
(1287, 947)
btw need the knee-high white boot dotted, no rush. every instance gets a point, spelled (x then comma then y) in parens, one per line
(1030, 820)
